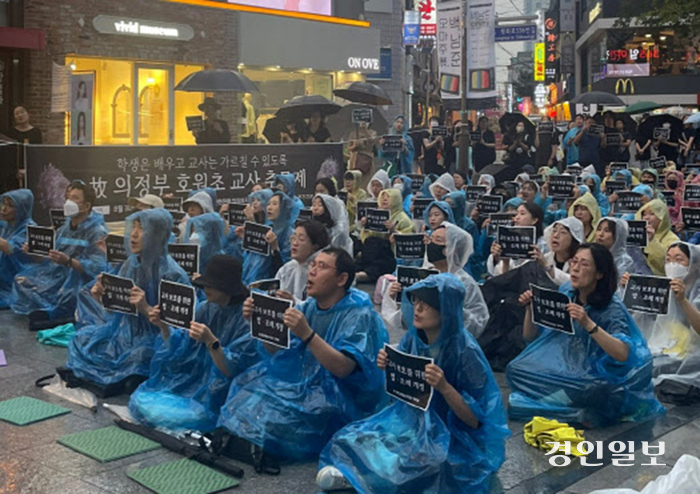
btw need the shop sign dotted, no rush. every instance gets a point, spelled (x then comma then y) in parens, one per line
(107, 24)
(428, 16)
(539, 62)
(624, 86)
(632, 55)
(385, 61)
(628, 70)
(360, 63)
(552, 48)
(411, 28)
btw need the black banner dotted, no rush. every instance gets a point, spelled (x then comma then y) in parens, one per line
(691, 219)
(648, 294)
(119, 172)
(305, 215)
(669, 197)
(489, 204)
(538, 179)
(417, 181)
(376, 219)
(498, 219)
(658, 163)
(362, 115)
(268, 320)
(116, 250)
(616, 166)
(596, 130)
(41, 240)
(475, 191)
(692, 193)
(236, 214)
(363, 206)
(574, 170)
(343, 196)
(549, 309)
(392, 143)
(407, 276)
(562, 186)
(405, 378)
(516, 241)
(268, 287)
(117, 294)
(613, 139)
(612, 186)
(628, 202)
(195, 122)
(420, 204)
(173, 204)
(662, 133)
(440, 131)
(57, 218)
(475, 137)
(177, 304)
(409, 246)
(637, 236)
(254, 238)
(186, 255)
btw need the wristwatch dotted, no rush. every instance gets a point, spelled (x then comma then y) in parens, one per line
(216, 345)
(594, 330)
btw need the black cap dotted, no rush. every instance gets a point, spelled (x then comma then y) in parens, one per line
(430, 296)
(224, 274)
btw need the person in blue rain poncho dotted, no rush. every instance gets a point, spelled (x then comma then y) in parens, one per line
(199, 202)
(600, 375)
(458, 203)
(48, 289)
(403, 183)
(400, 162)
(255, 211)
(293, 401)
(287, 185)
(435, 214)
(207, 231)
(15, 216)
(593, 182)
(191, 370)
(116, 355)
(459, 441)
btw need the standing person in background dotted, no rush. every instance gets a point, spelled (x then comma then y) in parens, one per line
(668, 147)
(25, 133)
(403, 160)
(485, 150)
(215, 130)
(518, 144)
(433, 157)
(589, 147)
(570, 148)
(361, 149)
(547, 144)
(623, 152)
(317, 131)
(688, 142)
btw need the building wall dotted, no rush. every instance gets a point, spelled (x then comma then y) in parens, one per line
(69, 30)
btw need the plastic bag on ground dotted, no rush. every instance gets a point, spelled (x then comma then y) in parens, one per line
(683, 479)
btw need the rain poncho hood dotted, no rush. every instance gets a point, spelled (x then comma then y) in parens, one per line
(572, 224)
(290, 187)
(403, 159)
(513, 203)
(16, 235)
(211, 192)
(383, 178)
(588, 201)
(675, 210)
(625, 176)
(446, 181)
(623, 261)
(442, 206)
(122, 346)
(290, 404)
(644, 190)
(404, 449)
(602, 199)
(406, 189)
(402, 222)
(488, 181)
(210, 228)
(203, 199)
(570, 377)
(656, 249)
(339, 234)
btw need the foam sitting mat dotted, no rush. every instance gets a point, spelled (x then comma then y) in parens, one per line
(182, 477)
(25, 410)
(108, 444)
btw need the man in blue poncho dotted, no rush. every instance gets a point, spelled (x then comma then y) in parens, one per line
(453, 446)
(292, 402)
(114, 357)
(191, 370)
(16, 214)
(48, 290)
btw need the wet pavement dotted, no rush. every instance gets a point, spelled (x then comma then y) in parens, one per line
(31, 461)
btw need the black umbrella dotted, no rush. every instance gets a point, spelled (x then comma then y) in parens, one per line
(364, 92)
(630, 124)
(273, 128)
(646, 128)
(304, 106)
(218, 80)
(510, 120)
(340, 125)
(598, 98)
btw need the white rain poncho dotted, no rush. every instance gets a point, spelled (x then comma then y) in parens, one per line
(204, 201)
(340, 233)
(293, 276)
(383, 178)
(446, 181)
(459, 247)
(575, 227)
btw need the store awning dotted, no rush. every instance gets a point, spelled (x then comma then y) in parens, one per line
(27, 39)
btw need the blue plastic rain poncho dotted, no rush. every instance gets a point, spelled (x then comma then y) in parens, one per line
(442, 206)
(53, 288)
(402, 160)
(259, 267)
(208, 229)
(15, 234)
(290, 187)
(403, 449)
(512, 204)
(570, 377)
(124, 345)
(340, 232)
(290, 404)
(406, 192)
(425, 188)
(602, 199)
(234, 244)
(185, 389)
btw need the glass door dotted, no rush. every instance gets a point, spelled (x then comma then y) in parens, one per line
(153, 100)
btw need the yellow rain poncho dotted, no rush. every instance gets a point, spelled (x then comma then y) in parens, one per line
(589, 202)
(655, 252)
(402, 223)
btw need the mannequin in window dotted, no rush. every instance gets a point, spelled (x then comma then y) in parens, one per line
(249, 135)
(215, 130)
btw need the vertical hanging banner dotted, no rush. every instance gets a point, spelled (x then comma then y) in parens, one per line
(449, 46)
(539, 62)
(552, 46)
(428, 16)
(481, 54)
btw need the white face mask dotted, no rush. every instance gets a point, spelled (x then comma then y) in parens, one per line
(398, 186)
(195, 238)
(675, 270)
(70, 209)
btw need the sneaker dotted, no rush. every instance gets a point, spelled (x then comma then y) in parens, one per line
(331, 479)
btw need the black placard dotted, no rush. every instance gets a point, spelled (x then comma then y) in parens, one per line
(489, 204)
(613, 139)
(538, 179)
(116, 250)
(628, 202)
(362, 115)
(376, 219)
(669, 197)
(195, 122)
(616, 166)
(266, 286)
(236, 214)
(513, 183)
(392, 143)
(475, 137)
(57, 218)
(268, 320)
(575, 170)
(658, 163)
(420, 204)
(173, 204)
(343, 196)
(440, 131)
(637, 236)
(612, 186)
(648, 294)
(407, 276)
(596, 130)
(545, 127)
(306, 214)
(692, 193)
(409, 246)
(405, 378)
(254, 238)
(691, 218)
(473, 192)
(117, 294)
(363, 206)
(186, 255)
(417, 181)
(516, 241)
(41, 240)
(548, 309)
(177, 304)
(562, 186)
(498, 219)
(662, 133)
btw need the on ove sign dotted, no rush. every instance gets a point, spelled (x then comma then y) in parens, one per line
(359, 63)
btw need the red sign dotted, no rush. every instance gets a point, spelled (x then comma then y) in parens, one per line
(428, 17)
(633, 55)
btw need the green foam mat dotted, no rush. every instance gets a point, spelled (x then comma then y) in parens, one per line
(108, 444)
(24, 410)
(182, 477)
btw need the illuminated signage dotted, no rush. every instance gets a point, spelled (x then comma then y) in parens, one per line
(595, 12)
(633, 55)
(107, 24)
(428, 16)
(624, 86)
(320, 7)
(359, 63)
(552, 52)
(539, 62)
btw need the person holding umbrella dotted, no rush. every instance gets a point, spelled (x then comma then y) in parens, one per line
(317, 131)
(215, 131)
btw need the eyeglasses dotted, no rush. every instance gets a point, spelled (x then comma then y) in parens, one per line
(574, 262)
(321, 265)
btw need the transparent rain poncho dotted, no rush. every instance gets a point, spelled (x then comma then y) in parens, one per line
(290, 404)
(123, 345)
(602, 199)
(290, 187)
(206, 199)
(210, 229)
(15, 234)
(50, 287)
(403, 449)
(339, 234)
(383, 178)
(234, 245)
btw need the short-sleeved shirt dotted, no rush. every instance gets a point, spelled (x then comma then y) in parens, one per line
(589, 149)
